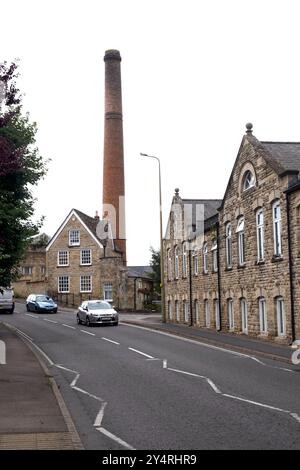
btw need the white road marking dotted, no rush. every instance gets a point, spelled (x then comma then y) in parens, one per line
(165, 364)
(295, 416)
(88, 333)
(115, 438)
(140, 352)
(87, 393)
(256, 403)
(69, 326)
(73, 383)
(209, 381)
(99, 417)
(50, 321)
(110, 340)
(23, 334)
(66, 368)
(32, 316)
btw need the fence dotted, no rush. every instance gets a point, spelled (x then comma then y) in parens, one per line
(71, 300)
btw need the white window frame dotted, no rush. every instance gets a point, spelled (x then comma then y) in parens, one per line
(107, 287)
(260, 235)
(176, 256)
(248, 182)
(83, 283)
(28, 269)
(214, 250)
(85, 250)
(228, 245)
(74, 241)
(186, 311)
(244, 315)
(263, 317)
(59, 283)
(240, 230)
(230, 313)
(184, 260)
(205, 257)
(63, 255)
(276, 211)
(177, 310)
(206, 313)
(281, 320)
(195, 262)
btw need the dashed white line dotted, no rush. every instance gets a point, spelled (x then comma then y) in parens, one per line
(73, 383)
(209, 381)
(50, 321)
(88, 333)
(32, 316)
(115, 438)
(142, 353)
(110, 340)
(69, 326)
(255, 403)
(87, 393)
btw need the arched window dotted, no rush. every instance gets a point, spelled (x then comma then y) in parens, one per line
(228, 245)
(169, 264)
(281, 322)
(205, 258)
(248, 180)
(184, 260)
(262, 309)
(244, 315)
(277, 228)
(186, 311)
(170, 310)
(206, 313)
(177, 311)
(196, 307)
(260, 235)
(217, 313)
(241, 240)
(195, 261)
(176, 255)
(230, 314)
(214, 250)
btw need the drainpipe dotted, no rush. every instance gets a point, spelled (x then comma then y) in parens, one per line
(134, 293)
(191, 287)
(290, 267)
(219, 274)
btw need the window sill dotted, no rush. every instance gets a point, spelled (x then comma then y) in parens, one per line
(205, 273)
(73, 244)
(258, 263)
(277, 259)
(63, 266)
(85, 292)
(241, 266)
(86, 264)
(229, 268)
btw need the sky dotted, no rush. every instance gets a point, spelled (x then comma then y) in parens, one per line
(194, 73)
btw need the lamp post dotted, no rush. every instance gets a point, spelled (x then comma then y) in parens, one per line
(162, 287)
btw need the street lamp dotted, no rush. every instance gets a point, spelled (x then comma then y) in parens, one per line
(162, 287)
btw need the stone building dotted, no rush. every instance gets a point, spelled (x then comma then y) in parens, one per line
(234, 265)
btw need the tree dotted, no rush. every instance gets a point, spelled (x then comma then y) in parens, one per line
(21, 167)
(155, 264)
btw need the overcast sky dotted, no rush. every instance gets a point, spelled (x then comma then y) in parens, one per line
(193, 73)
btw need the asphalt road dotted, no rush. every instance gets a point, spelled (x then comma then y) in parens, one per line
(129, 387)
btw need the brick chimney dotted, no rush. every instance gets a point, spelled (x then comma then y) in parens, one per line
(113, 162)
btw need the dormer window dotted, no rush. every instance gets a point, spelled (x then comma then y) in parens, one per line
(248, 180)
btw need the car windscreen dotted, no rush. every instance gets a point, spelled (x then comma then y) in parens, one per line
(43, 298)
(99, 305)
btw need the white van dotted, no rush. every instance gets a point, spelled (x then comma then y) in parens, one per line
(7, 300)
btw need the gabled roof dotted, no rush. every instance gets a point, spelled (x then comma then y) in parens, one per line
(89, 223)
(285, 154)
(210, 205)
(140, 271)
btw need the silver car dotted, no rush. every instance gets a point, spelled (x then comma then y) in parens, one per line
(97, 312)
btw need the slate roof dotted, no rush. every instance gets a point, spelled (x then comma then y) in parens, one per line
(210, 206)
(139, 271)
(285, 154)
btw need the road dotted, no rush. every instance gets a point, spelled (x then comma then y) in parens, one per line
(129, 387)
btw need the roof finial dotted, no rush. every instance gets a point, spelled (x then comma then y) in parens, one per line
(249, 127)
(176, 192)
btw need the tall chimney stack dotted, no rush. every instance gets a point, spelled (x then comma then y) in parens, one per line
(113, 162)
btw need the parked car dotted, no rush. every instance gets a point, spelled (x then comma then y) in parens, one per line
(40, 303)
(97, 312)
(7, 303)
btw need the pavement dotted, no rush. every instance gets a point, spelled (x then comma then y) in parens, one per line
(34, 415)
(32, 412)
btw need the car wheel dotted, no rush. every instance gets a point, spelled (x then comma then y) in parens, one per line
(11, 311)
(78, 320)
(87, 321)
(116, 323)
(27, 308)
(55, 311)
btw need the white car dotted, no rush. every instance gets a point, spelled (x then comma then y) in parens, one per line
(7, 303)
(97, 312)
